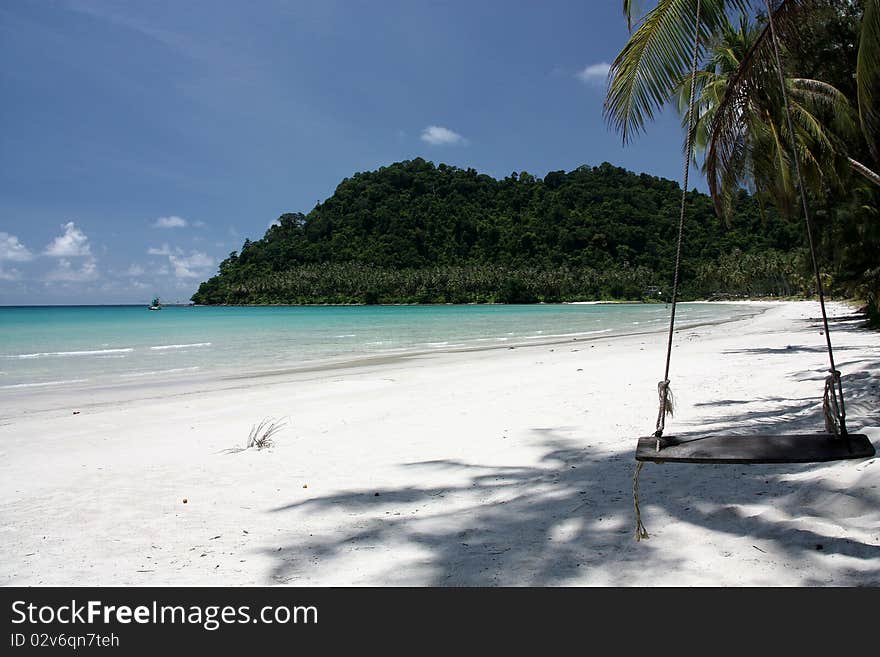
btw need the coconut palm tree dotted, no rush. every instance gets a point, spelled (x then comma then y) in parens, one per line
(740, 126)
(753, 151)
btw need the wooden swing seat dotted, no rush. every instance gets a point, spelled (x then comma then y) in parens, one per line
(755, 448)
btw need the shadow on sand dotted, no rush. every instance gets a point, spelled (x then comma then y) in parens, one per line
(570, 518)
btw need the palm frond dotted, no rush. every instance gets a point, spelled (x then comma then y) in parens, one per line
(657, 58)
(754, 79)
(821, 96)
(782, 166)
(812, 126)
(631, 8)
(868, 76)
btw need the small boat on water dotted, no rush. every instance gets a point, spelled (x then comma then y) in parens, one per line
(155, 305)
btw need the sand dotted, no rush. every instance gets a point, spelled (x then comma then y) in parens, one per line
(501, 467)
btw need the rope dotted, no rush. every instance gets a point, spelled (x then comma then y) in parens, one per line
(831, 404)
(665, 406)
(641, 531)
(664, 392)
(833, 379)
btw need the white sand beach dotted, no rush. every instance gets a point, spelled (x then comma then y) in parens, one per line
(495, 467)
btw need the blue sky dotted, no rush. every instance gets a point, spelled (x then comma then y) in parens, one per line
(143, 141)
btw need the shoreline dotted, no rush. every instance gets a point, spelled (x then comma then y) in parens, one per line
(491, 467)
(53, 399)
(744, 300)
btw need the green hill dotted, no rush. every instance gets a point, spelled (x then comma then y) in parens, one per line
(413, 232)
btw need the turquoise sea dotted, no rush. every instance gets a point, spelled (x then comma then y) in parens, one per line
(52, 347)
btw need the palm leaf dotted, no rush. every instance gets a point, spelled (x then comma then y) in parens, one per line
(630, 8)
(754, 80)
(818, 95)
(868, 76)
(657, 57)
(739, 121)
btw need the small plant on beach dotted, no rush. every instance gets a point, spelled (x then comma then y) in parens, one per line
(262, 434)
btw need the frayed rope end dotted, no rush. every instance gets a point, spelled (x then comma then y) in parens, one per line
(641, 531)
(667, 400)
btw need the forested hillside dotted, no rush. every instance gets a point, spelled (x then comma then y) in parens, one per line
(413, 232)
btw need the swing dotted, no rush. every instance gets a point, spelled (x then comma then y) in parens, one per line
(834, 444)
(755, 448)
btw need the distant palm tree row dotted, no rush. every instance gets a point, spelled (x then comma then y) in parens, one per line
(767, 273)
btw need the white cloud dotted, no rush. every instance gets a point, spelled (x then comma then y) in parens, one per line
(13, 250)
(135, 270)
(72, 243)
(170, 222)
(595, 72)
(65, 272)
(195, 265)
(199, 224)
(439, 136)
(163, 250)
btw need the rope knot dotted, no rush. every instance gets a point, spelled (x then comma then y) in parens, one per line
(667, 406)
(832, 405)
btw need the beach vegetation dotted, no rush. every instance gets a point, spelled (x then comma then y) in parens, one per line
(262, 435)
(830, 64)
(416, 232)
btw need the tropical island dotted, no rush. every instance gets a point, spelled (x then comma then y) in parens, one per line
(413, 232)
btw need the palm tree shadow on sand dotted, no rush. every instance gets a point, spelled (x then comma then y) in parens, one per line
(570, 518)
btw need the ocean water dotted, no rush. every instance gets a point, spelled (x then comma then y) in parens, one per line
(45, 348)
